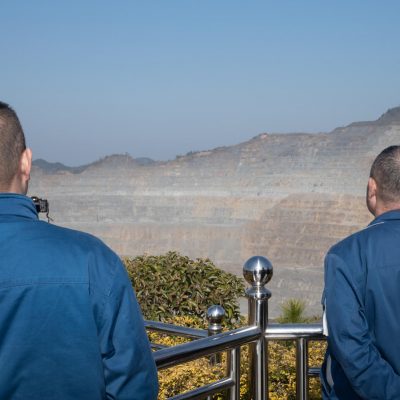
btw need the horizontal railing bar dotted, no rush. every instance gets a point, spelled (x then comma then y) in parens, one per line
(314, 371)
(156, 346)
(185, 352)
(205, 390)
(274, 331)
(294, 331)
(171, 329)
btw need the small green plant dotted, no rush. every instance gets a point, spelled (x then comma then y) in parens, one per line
(173, 285)
(293, 312)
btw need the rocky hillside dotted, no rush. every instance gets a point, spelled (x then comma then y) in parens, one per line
(288, 197)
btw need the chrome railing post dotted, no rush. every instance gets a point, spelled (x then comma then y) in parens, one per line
(258, 271)
(301, 369)
(233, 366)
(215, 316)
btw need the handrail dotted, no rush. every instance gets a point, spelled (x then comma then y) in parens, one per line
(205, 390)
(175, 330)
(294, 331)
(257, 272)
(185, 352)
(170, 356)
(274, 331)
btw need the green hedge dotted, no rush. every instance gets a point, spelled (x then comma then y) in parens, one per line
(172, 285)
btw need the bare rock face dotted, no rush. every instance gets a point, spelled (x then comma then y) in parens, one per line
(287, 197)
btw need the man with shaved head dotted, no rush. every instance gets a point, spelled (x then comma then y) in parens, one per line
(362, 296)
(70, 325)
(15, 158)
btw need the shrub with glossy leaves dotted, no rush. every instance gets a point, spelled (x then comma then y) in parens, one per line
(174, 285)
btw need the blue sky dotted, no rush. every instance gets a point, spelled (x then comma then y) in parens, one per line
(164, 77)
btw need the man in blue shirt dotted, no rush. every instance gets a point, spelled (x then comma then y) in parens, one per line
(70, 325)
(362, 297)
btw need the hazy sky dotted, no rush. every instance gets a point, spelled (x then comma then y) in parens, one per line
(158, 78)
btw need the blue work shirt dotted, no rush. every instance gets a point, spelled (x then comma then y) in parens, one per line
(70, 325)
(362, 304)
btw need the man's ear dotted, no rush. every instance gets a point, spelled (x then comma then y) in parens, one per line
(26, 164)
(371, 199)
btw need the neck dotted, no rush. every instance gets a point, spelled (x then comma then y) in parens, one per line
(18, 186)
(385, 207)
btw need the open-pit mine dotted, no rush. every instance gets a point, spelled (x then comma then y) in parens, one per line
(288, 197)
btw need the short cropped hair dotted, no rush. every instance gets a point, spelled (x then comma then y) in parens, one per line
(386, 172)
(12, 144)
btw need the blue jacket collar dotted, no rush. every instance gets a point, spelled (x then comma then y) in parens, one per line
(387, 216)
(17, 206)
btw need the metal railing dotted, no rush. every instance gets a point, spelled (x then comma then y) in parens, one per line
(257, 271)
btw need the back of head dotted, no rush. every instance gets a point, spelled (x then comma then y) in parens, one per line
(12, 145)
(385, 171)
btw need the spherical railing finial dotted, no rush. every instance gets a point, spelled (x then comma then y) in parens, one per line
(215, 314)
(257, 271)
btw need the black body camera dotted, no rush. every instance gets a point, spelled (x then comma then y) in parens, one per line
(42, 206)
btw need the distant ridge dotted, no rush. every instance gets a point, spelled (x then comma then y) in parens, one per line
(56, 167)
(115, 160)
(390, 117)
(121, 160)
